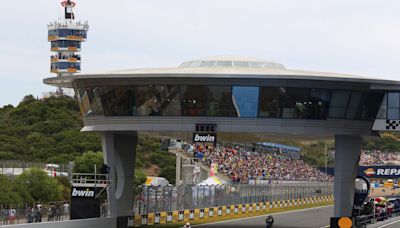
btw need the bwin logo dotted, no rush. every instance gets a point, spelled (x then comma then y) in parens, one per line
(82, 193)
(204, 138)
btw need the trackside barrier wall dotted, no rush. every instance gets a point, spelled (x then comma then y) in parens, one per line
(200, 202)
(204, 213)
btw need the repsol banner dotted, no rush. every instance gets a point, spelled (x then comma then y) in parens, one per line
(205, 138)
(392, 172)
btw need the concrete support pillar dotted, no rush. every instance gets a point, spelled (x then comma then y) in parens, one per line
(178, 169)
(347, 156)
(119, 149)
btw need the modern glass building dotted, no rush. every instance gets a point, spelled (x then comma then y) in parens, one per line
(234, 88)
(236, 94)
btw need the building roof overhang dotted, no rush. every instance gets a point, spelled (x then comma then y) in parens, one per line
(220, 73)
(209, 68)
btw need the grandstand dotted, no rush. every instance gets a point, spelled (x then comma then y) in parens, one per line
(244, 165)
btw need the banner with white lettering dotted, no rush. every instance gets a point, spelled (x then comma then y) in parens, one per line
(392, 172)
(84, 203)
(82, 192)
(205, 138)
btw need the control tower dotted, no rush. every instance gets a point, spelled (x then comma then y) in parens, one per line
(66, 36)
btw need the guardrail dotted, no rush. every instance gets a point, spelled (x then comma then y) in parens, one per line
(221, 211)
(167, 201)
(364, 220)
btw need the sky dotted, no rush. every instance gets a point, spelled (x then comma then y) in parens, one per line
(360, 37)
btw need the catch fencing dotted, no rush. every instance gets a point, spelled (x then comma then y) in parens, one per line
(12, 168)
(176, 198)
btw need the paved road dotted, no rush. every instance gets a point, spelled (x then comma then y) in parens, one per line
(391, 223)
(306, 218)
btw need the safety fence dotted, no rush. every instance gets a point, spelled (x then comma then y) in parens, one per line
(220, 211)
(15, 168)
(27, 213)
(157, 203)
(364, 220)
(171, 198)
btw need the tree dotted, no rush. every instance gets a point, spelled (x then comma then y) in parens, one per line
(138, 179)
(66, 187)
(168, 173)
(7, 194)
(34, 185)
(85, 163)
(28, 99)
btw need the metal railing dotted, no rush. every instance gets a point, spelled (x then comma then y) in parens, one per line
(90, 179)
(23, 213)
(171, 198)
(14, 168)
(364, 220)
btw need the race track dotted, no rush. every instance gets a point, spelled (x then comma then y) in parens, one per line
(305, 218)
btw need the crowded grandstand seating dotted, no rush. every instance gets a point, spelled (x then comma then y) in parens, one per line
(378, 158)
(243, 165)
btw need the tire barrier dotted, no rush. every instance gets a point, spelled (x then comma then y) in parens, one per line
(221, 211)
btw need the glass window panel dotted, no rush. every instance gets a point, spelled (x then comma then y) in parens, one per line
(95, 101)
(195, 63)
(193, 100)
(158, 101)
(353, 106)
(394, 114)
(269, 102)
(370, 106)
(295, 103)
(394, 100)
(318, 104)
(85, 102)
(245, 100)
(338, 104)
(240, 64)
(207, 63)
(118, 101)
(78, 96)
(219, 101)
(337, 112)
(382, 113)
(256, 64)
(224, 63)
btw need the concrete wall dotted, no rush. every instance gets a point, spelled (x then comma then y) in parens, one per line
(87, 223)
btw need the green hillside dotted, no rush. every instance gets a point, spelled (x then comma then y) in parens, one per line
(44, 130)
(48, 131)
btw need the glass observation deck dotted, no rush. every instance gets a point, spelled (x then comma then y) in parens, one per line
(229, 63)
(65, 45)
(61, 57)
(229, 101)
(67, 34)
(65, 67)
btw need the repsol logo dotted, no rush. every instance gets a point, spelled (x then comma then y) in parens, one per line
(387, 172)
(82, 193)
(211, 138)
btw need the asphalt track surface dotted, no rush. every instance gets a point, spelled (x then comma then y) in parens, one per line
(312, 217)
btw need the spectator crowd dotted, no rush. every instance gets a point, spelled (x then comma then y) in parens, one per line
(57, 211)
(243, 165)
(379, 158)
